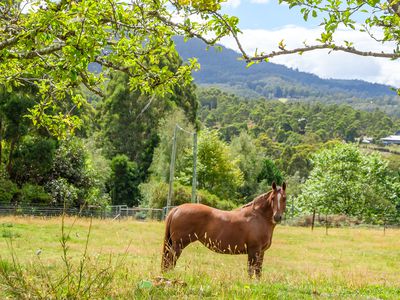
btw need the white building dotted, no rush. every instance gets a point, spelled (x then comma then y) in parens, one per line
(391, 139)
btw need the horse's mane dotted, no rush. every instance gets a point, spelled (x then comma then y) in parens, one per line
(256, 200)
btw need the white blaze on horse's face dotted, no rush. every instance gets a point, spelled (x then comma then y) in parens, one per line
(279, 201)
(280, 207)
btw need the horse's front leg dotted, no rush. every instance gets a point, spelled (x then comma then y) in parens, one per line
(255, 261)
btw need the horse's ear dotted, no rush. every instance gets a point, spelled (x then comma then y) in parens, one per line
(274, 185)
(284, 186)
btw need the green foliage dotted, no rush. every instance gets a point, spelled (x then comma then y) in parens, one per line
(98, 169)
(33, 160)
(365, 16)
(250, 159)
(269, 173)
(8, 191)
(162, 154)
(124, 181)
(64, 192)
(130, 119)
(155, 194)
(70, 162)
(345, 181)
(35, 195)
(97, 197)
(53, 45)
(217, 169)
(292, 123)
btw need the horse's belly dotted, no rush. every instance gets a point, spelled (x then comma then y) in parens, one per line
(224, 242)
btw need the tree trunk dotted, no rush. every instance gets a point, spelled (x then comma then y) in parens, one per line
(326, 224)
(313, 220)
(384, 227)
(12, 147)
(1, 141)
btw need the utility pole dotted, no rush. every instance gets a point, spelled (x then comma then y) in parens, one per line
(172, 170)
(172, 167)
(194, 179)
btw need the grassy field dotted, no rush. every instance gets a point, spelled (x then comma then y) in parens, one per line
(349, 263)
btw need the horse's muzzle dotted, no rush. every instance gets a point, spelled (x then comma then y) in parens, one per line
(277, 218)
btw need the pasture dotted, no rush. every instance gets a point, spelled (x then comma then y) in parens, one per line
(349, 263)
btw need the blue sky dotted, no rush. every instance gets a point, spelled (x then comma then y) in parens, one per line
(266, 23)
(267, 14)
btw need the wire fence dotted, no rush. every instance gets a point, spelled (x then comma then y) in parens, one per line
(111, 212)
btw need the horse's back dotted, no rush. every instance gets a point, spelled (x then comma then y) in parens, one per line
(199, 211)
(191, 212)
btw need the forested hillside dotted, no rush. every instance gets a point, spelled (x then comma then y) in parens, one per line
(222, 69)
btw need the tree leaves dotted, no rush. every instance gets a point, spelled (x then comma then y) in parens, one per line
(52, 45)
(345, 181)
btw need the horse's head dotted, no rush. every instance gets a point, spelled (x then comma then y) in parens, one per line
(278, 201)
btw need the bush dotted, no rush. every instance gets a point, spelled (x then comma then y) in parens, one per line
(155, 194)
(8, 191)
(34, 194)
(124, 181)
(63, 192)
(33, 160)
(97, 197)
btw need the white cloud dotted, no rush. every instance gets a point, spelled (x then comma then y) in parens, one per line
(260, 1)
(231, 3)
(334, 65)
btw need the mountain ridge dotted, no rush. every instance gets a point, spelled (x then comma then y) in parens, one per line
(264, 78)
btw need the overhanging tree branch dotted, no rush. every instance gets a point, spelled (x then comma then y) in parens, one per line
(36, 53)
(301, 50)
(189, 31)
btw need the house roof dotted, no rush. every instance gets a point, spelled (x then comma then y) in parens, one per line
(391, 138)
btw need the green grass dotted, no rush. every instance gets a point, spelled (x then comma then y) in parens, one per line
(349, 263)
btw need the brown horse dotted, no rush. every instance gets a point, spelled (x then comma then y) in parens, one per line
(246, 230)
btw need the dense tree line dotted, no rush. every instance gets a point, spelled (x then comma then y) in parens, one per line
(121, 154)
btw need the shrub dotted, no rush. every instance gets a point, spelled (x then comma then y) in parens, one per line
(97, 197)
(63, 192)
(8, 191)
(33, 160)
(124, 181)
(155, 194)
(34, 194)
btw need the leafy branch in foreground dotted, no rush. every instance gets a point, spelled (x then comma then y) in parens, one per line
(52, 45)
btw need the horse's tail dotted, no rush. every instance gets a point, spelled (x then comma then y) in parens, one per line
(167, 246)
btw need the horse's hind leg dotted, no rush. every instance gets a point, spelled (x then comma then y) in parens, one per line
(178, 246)
(168, 257)
(172, 252)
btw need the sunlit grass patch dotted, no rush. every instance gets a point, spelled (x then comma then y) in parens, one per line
(348, 263)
